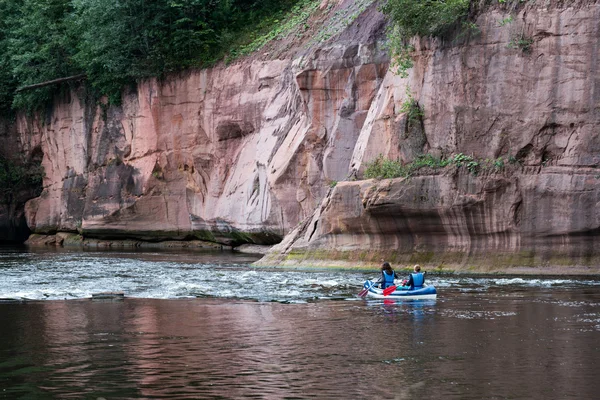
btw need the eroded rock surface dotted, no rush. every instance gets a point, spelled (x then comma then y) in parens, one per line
(236, 154)
(484, 96)
(455, 219)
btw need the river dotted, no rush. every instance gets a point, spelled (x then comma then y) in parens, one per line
(199, 325)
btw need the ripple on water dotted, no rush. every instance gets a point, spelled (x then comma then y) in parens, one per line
(472, 314)
(72, 275)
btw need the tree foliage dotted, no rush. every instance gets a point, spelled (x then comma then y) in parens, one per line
(425, 17)
(116, 42)
(133, 39)
(39, 45)
(8, 83)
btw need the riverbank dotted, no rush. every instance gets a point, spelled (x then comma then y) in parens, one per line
(353, 261)
(516, 263)
(542, 270)
(73, 240)
(495, 169)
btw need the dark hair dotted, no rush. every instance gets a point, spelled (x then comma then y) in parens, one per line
(386, 267)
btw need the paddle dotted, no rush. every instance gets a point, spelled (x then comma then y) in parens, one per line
(389, 290)
(364, 292)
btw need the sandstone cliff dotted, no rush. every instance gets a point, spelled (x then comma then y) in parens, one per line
(526, 91)
(249, 153)
(233, 154)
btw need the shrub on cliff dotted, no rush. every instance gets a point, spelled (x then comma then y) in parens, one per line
(383, 168)
(419, 18)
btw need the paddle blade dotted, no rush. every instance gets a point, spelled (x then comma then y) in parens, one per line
(364, 292)
(389, 290)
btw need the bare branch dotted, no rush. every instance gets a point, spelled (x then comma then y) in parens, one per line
(52, 82)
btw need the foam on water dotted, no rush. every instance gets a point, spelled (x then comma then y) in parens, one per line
(471, 314)
(41, 276)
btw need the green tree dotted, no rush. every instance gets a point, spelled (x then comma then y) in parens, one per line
(125, 40)
(8, 83)
(40, 47)
(117, 42)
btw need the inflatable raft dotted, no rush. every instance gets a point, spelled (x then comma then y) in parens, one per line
(402, 292)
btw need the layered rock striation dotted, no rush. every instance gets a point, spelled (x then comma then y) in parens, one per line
(454, 220)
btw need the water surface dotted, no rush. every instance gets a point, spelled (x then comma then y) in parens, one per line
(197, 325)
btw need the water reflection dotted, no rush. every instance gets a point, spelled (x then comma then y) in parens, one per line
(278, 334)
(211, 348)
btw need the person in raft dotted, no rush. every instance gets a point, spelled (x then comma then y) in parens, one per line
(416, 280)
(387, 275)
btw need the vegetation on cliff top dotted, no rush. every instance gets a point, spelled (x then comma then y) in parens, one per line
(411, 18)
(425, 18)
(115, 43)
(453, 19)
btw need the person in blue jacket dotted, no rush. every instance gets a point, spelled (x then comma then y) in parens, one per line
(387, 275)
(416, 280)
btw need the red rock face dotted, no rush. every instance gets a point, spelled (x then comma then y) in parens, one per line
(456, 219)
(246, 153)
(237, 154)
(487, 98)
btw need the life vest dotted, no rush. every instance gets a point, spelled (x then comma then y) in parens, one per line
(388, 279)
(418, 279)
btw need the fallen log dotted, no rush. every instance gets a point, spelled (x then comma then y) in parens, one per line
(52, 82)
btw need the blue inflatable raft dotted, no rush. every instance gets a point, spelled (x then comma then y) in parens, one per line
(402, 292)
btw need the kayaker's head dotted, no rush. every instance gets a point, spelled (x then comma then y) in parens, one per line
(417, 268)
(386, 267)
